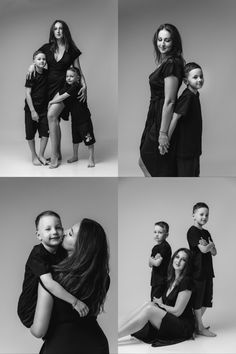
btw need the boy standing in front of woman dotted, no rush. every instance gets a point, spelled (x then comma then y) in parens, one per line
(187, 119)
(203, 248)
(159, 259)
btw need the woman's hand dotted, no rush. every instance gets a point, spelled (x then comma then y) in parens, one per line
(82, 94)
(81, 308)
(157, 301)
(31, 71)
(164, 144)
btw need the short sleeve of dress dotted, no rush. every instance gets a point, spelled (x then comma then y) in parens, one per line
(173, 67)
(29, 82)
(186, 284)
(182, 104)
(75, 53)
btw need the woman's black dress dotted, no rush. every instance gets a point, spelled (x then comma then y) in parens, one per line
(155, 164)
(69, 333)
(173, 329)
(57, 71)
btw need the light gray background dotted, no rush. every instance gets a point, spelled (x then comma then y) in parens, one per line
(21, 201)
(142, 202)
(24, 27)
(208, 32)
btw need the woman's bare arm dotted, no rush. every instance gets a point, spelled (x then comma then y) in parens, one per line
(82, 94)
(180, 304)
(42, 313)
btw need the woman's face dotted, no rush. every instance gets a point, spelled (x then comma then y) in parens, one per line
(180, 260)
(164, 42)
(70, 237)
(58, 30)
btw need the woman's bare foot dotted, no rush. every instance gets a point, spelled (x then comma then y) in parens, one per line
(205, 332)
(36, 161)
(73, 159)
(54, 163)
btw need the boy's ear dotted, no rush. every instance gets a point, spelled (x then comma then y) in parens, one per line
(38, 235)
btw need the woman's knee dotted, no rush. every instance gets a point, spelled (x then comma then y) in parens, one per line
(52, 117)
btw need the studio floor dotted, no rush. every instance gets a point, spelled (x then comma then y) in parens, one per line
(16, 161)
(224, 342)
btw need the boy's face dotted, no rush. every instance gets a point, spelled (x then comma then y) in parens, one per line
(159, 234)
(71, 77)
(50, 231)
(40, 60)
(201, 216)
(195, 79)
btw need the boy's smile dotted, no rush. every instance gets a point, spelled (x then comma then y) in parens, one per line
(160, 234)
(200, 217)
(50, 232)
(40, 60)
(195, 79)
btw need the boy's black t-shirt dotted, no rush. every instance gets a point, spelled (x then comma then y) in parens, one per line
(72, 90)
(189, 127)
(40, 262)
(202, 262)
(39, 94)
(159, 274)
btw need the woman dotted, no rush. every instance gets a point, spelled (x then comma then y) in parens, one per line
(61, 52)
(84, 273)
(169, 318)
(156, 156)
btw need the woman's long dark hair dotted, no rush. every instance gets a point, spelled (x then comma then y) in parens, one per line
(186, 271)
(85, 273)
(177, 49)
(67, 38)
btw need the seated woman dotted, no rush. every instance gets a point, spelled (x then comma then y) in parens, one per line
(85, 273)
(169, 318)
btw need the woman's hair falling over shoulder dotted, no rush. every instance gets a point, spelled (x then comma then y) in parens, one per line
(177, 49)
(187, 271)
(67, 38)
(86, 272)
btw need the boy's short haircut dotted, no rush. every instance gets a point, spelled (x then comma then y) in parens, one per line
(164, 225)
(75, 70)
(37, 52)
(190, 66)
(200, 205)
(46, 213)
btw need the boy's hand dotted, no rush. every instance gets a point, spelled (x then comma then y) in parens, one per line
(203, 242)
(81, 308)
(35, 116)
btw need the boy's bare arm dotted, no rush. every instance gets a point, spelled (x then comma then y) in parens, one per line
(173, 124)
(205, 247)
(28, 97)
(57, 290)
(155, 261)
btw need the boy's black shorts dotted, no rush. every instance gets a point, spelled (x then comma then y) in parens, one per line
(82, 132)
(31, 127)
(203, 293)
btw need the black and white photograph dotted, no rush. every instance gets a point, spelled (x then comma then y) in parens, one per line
(176, 119)
(58, 265)
(59, 122)
(183, 228)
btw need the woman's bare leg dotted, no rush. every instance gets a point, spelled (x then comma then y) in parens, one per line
(149, 313)
(54, 130)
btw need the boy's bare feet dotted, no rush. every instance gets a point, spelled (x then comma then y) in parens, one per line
(205, 332)
(36, 161)
(91, 162)
(43, 160)
(72, 159)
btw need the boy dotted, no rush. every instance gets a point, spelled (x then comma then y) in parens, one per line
(82, 127)
(203, 248)
(36, 109)
(38, 268)
(189, 129)
(159, 260)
